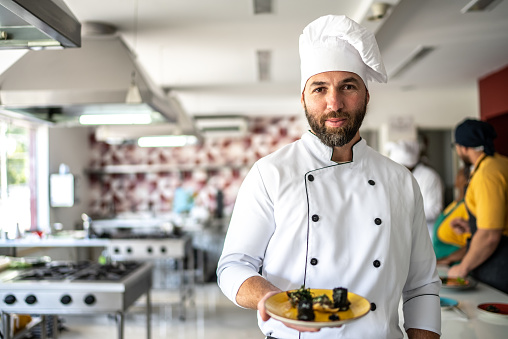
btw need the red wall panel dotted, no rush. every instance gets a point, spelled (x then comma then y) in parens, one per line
(494, 94)
(494, 106)
(500, 124)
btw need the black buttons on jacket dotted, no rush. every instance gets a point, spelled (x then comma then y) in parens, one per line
(313, 261)
(10, 299)
(371, 182)
(31, 299)
(310, 177)
(376, 263)
(372, 306)
(377, 221)
(66, 299)
(315, 217)
(89, 299)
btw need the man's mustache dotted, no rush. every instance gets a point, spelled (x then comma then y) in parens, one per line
(335, 115)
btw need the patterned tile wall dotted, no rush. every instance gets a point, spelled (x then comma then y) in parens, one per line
(145, 179)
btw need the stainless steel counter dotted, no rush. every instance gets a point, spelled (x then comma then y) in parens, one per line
(55, 242)
(170, 257)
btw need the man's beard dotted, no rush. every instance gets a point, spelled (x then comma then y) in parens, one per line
(465, 159)
(337, 136)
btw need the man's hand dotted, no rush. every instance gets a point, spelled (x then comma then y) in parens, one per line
(265, 316)
(457, 271)
(415, 333)
(262, 308)
(460, 225)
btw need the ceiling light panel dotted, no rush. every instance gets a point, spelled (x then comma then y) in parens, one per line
(415, 56)
(262, 6)
(480, 6)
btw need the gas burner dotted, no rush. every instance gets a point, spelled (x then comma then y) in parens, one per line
(72, 271)
(108, 272)
(53, 271)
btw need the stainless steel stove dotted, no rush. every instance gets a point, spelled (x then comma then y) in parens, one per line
(75, 288)
(169, 254)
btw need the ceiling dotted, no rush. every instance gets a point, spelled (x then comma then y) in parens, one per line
(205, 52)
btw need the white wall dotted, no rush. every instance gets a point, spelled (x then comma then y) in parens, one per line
(70, 145)
(431, 107)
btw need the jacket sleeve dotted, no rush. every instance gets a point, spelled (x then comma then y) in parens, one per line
(420, 296)
(250, 229)
(432, 190)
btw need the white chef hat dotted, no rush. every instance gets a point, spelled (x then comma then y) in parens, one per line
(405, 152)
(337, 43)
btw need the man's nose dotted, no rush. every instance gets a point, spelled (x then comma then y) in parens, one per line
(334, 101)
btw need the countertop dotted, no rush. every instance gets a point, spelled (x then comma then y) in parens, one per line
(455, 325)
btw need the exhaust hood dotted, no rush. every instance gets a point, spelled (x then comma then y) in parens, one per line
(60, 85)
(36, 24)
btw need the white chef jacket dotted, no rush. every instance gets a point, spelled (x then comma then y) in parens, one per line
(432, 190)
(301, 218)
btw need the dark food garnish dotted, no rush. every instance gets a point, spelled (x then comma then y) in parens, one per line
(334, 317)
(340, 300)
(492, 308)
(304, 302)
(300, 294)
(323, 300)
(305, 310)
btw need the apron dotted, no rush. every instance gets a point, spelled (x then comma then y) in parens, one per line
(442, 249)
(494, 270)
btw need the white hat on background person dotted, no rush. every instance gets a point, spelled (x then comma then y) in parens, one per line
(405, 152)
(337, 43)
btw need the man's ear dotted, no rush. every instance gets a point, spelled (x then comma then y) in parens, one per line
(368, 96)
(302, 100)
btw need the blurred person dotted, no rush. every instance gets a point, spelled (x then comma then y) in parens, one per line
(449, 244)
(407, 153)
(328, 211)
(486, 200)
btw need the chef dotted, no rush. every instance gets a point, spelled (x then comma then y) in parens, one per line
(486, 202)
(328, 211)
(407, 153)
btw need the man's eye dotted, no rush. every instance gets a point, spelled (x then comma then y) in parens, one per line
(318, 90)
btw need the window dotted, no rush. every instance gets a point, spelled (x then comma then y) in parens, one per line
(18, 177)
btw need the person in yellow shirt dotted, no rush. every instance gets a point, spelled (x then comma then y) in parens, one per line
(449, 245)
(486, 200)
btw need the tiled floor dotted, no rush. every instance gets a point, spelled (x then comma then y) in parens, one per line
(212, 317)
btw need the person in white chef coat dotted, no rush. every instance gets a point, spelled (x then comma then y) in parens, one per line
(328, 211)
(407, 153)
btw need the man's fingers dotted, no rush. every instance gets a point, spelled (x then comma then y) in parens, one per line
(261, 305)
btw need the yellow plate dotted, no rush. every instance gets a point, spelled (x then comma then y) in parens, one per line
(279, 307)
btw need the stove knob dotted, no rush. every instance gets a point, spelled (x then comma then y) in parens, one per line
(163, 249)
(129, 249)
(66, 299)
(10, 299)
(116, 250)
(149, 250)
(31, 299)
(89, 299)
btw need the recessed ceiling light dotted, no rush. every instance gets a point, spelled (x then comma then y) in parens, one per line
(115, 119)
(167, 141)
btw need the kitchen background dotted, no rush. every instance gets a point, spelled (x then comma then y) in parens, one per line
(226, 72)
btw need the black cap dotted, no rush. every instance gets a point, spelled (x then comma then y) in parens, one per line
(474, 133)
